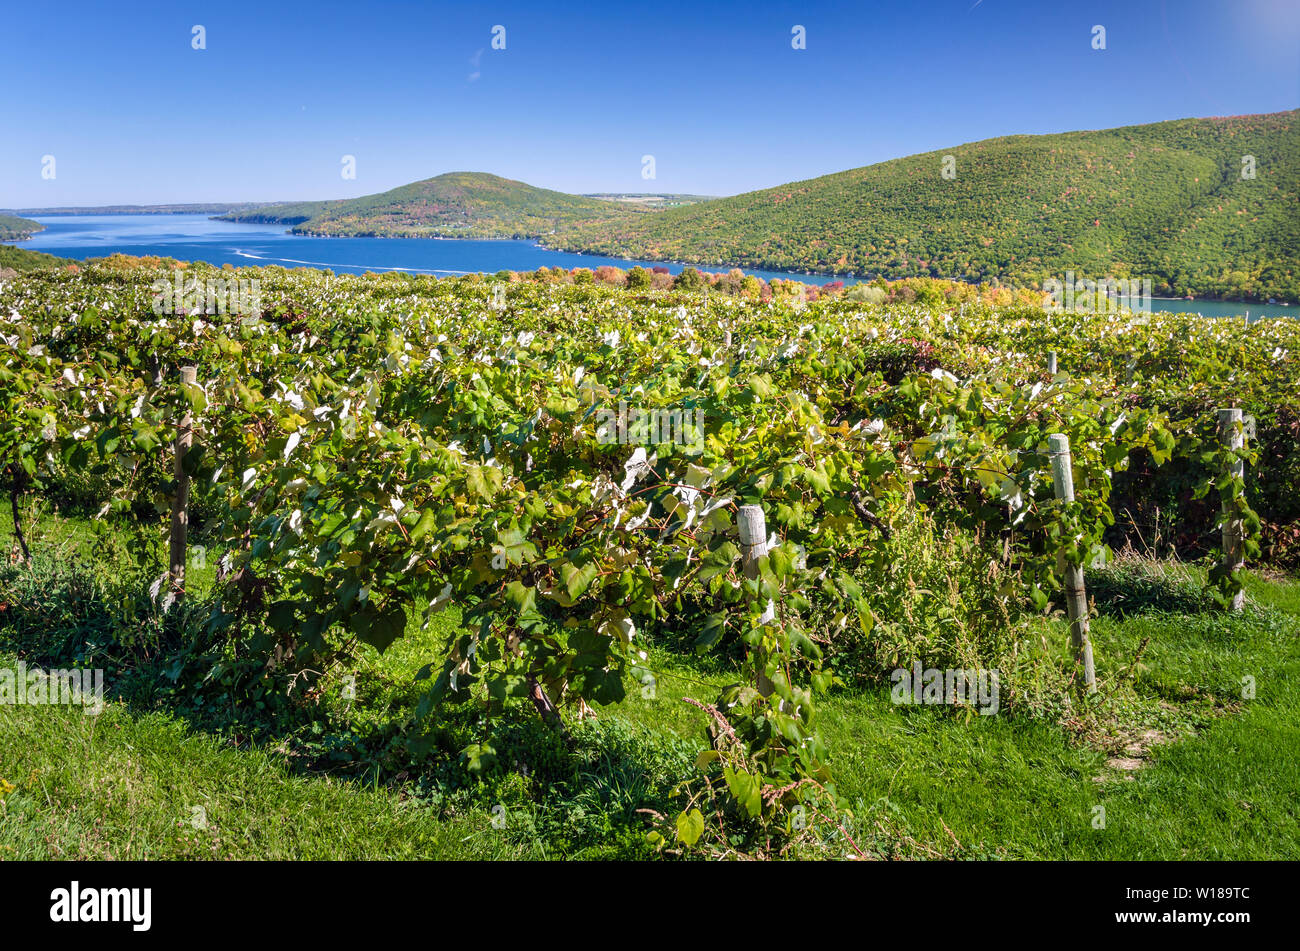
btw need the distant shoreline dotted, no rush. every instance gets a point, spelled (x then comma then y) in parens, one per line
(538, 241)
(206, 208)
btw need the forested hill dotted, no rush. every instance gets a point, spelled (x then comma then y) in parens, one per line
(1173, 201)
(458, 204)
(13, 260)
(14, 229)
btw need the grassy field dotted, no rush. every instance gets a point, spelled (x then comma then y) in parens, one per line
(1183, 766)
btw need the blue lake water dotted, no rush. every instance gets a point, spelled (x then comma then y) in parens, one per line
(198, 238)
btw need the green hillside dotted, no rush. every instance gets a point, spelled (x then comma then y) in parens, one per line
(1165, 201)
(20, 259)
(458, 204)
(15, 229)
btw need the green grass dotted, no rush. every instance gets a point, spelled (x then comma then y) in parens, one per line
(921, 782)
(1224, 787)
(119, 786)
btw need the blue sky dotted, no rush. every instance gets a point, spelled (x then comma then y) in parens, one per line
(714, 91)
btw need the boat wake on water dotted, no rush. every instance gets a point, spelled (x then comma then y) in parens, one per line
(414, 270)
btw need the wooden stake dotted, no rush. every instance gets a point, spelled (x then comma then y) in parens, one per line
(1076, 596)
(181, 498)
(1232, 432)
(753, 546)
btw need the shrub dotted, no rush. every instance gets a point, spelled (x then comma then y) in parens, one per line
(613, 276)
(689, 280)
(940, 596)
(866, 293)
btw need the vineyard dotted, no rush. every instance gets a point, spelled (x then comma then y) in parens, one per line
(571, 498)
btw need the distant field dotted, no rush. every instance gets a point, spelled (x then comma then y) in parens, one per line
(653, 201)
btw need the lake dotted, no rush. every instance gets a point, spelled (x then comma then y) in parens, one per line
(198, 238)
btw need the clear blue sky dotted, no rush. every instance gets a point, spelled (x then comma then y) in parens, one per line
(132, 114)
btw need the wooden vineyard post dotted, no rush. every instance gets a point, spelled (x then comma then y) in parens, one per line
(1051, 362)
(1232, 432)
(753, 546)
(1076, 596)
(181, 497)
